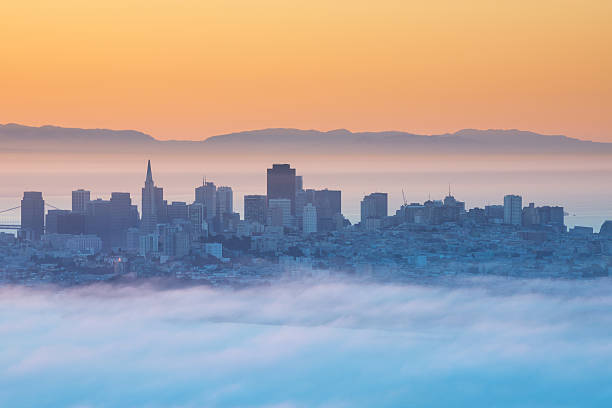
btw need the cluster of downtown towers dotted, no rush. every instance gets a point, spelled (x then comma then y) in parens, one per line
(286, 206)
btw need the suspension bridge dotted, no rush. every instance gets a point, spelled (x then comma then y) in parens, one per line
(10, 218)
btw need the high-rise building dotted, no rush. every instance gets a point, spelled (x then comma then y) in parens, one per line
(551, 215)
(309, 219)
(281, 184)
(513, 209)
(153, 205)
(65, 222)
(279, 212)
(33, 214)
(374, 206)
(255, 208)
(207, 194)
(52, 220)
(328, 203)
(494, 213)
(178, 210)
(299, 183)
(120, 218)
(98, 221)
(197, 216)
(530, 216)
(225, 200)
(80, 199)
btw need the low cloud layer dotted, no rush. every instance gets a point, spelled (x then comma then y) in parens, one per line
(481, 342)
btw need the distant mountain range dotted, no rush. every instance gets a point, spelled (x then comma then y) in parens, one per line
(21, 138)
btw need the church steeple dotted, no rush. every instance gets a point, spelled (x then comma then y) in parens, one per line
(149, 174)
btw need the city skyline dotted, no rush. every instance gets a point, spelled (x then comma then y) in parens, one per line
(295, 204)
(210, 196)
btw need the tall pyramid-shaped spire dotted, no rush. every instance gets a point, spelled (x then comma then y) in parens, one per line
(149, 174)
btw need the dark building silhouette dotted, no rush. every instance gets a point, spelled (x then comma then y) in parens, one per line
(98, 221)
(255, 208)
(33, 214)
(224, 208)
(80, 199)
(328, 203)
(374, 206)
(494, 213)
(153, 205)
(65, 222)
(121, 219)
(178, 210)
(282, 184)
(206, 194)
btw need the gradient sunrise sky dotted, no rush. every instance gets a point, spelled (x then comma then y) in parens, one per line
(192, 69)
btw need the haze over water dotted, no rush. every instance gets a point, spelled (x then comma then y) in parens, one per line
(582, 184)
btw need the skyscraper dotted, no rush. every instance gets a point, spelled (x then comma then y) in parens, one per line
(98, 220)
(279, 212)
(282, 184)
(513, 209)
(153, 210)
(328, 204)
(178, 210)
(255, 208)
(309, 219)
(207, 194)
(374, 206)
(225, 200)
(33, 214)
(121, 212)
(80, 198)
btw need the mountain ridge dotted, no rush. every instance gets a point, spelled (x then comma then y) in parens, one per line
(16, 137)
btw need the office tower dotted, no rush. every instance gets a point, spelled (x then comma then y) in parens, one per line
(551, 215)
(255, 208)
(281, 184)
(178, 210)
(328, 203)
(530, 216)
(207, 194)
(230, 222)
(80, 198)
(121, 219)
(225, 201)
(279, 212)
(33, 214)
(98, 221)
(51, 220)
(299, 183)
(153, 205)
(197, 216)
(513, 209)
(173, 240)
(309, 219)
(374, 206)
(65, 222)
(494, 213)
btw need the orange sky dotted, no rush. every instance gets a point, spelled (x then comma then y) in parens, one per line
(192, 69)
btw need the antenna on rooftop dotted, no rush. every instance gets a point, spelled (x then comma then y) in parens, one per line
(404, 197)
